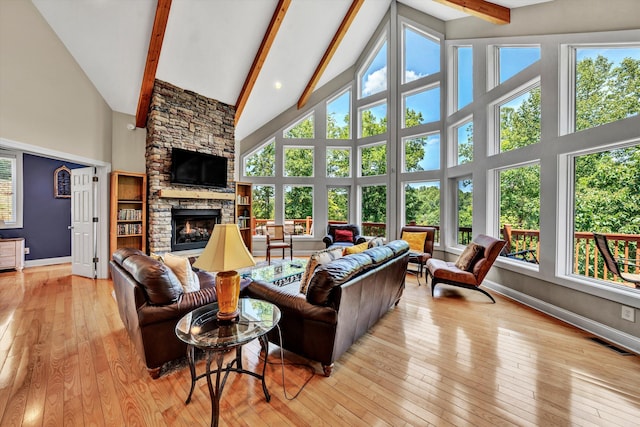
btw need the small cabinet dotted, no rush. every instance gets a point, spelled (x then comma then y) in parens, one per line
(244, 212)
(12, 253)
(128, 226)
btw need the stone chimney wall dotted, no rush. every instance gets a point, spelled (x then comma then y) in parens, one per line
(183, 119)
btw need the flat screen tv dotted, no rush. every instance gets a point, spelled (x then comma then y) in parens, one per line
(193, 168)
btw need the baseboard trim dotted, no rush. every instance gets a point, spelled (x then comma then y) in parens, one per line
(614, 336)
(47, 261)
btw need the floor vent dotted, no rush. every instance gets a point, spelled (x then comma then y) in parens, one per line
(618, 350)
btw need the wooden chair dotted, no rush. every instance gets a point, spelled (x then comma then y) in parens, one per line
(420, 251)
(448, 272)
(527, 255)
(615, 265)
(276, 239)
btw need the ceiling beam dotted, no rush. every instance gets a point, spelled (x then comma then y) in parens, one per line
(331, 50)
(261, 55)
(482, 9)
(153, 56)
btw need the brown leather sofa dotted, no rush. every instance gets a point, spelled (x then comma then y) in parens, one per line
(344, 299)
(151, 300)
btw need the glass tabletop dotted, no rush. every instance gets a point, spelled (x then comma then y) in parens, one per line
(202, 329)
(279, 272)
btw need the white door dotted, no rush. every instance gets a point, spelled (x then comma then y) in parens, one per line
(83, 250)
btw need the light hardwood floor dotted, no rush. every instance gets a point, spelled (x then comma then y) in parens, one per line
(457, 360)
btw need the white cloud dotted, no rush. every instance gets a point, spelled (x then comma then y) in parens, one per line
(411, 75)
(375, 82)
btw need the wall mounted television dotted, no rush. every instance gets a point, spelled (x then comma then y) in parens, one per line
(193, 168)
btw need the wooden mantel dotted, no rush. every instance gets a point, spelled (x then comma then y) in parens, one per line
(195, 194)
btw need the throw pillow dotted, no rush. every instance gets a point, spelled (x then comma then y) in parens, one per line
(343, 235)
(415, 240)
(318, 258)
(182, 268)
(376, 241)
(469, 256)
(356, 249)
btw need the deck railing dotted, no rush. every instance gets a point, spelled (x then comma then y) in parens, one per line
(587, 260)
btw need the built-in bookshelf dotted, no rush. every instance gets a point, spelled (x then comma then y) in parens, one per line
(128, 226)
(244, 212)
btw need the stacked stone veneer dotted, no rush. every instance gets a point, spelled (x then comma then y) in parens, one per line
(182, 119)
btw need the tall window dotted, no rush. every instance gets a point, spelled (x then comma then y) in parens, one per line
(421, 54)
(373, 120)
(374, 210)
(422, 203)
(298, 161)
(302, 129)
(338, 162)
(339, 117)
(513, 59)
(298, 208)
(261, 162)
(421, 153)
(520, 210)
(464, 75)
(464, 138)
(464, 202)
(338, 204)
(607, 85)
(373, 160)
(421, 107)
(607, 200)
(374, 78)
(263, 205)
(520, 120)
(9, 188)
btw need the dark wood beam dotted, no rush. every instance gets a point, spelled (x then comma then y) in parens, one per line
(261, 55)
(153, 55)
(482, 9)
(331, 50)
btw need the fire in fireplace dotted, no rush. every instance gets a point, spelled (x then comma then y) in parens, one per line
(191, 228)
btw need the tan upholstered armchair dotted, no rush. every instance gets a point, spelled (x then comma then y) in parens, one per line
(471, 267)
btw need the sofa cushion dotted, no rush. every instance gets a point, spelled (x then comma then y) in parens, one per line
(376, 241)
(123, 253)
(160, 284)
(318, 258)
(469, 256)
(343, 235)
(335, 273)
(398, 246)
(379, 254)
(182, 268)
(356, 249)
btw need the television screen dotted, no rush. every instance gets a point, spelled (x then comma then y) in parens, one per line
(193, 168)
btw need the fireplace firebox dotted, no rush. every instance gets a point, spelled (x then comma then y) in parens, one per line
(191, 228)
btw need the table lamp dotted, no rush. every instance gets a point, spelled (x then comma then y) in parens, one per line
(225, 252)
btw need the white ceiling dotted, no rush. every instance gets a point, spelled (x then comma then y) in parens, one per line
(209, 46)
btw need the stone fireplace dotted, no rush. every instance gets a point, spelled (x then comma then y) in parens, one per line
(191, 228)
(184, 119)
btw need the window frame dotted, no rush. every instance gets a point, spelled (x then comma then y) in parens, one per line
(336, 147)
(18, 189)
(326, 109)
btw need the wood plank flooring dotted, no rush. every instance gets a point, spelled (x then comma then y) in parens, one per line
(456, 360)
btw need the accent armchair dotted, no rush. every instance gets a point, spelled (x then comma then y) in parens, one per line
(420, 241)
(614, 265)
(343, 235)
(471, 267)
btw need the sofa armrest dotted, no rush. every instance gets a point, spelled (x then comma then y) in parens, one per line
(359, 239)
(189, 301)
(295, 304)
(328, 240)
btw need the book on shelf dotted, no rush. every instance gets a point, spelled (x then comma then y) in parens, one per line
(243, 200)
(129, 215)
(126, 229)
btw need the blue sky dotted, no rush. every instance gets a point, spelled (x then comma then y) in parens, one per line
(431, 146)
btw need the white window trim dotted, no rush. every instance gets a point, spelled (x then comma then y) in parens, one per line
(19, 193)
(367, 63)
(453, 146)
(424, 31)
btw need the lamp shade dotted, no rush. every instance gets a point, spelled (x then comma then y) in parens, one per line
(225, 250)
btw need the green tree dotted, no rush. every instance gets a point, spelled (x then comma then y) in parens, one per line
(298, 202)
(335, 131)
(298, 161)
(262, 162)
(374, 160)
(338, 165)
(302, 129)
(338, 204)
(422, 204)
(263, 202)
(372, 125)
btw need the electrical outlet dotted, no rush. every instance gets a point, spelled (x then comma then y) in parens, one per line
(628, 313)
(27, 251)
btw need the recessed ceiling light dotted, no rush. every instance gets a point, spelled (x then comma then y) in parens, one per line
(277, 85)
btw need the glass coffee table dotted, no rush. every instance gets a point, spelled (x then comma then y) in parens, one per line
(201, 329)
(280, 274)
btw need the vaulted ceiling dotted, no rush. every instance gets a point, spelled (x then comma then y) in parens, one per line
(210, 46)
